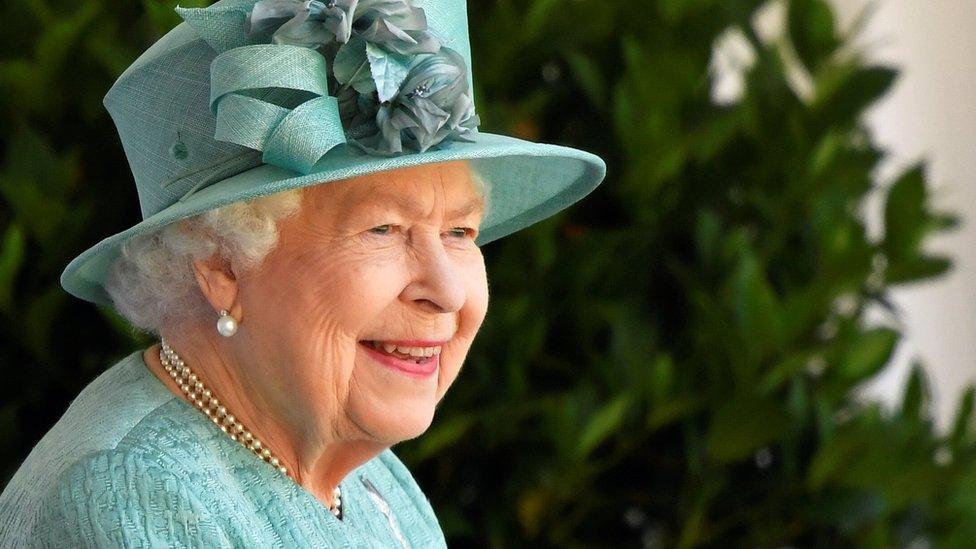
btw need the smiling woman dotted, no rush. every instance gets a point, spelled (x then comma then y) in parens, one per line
(310, 260)
(345, 338)
(298, 373)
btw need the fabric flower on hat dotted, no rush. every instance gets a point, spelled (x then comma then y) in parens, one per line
(308, 23)
(395, 25)
(433, 104)
(394, 82)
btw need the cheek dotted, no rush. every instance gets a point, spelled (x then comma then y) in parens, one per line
(349, 289)
(321, 305)
(476, 304)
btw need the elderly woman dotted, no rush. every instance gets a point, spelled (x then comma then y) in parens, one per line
(309, 258)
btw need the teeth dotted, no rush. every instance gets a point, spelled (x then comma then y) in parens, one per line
(417, 352)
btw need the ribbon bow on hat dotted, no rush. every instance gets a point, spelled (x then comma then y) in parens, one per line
(294, 79)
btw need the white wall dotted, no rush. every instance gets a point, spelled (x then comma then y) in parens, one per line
(931, 113)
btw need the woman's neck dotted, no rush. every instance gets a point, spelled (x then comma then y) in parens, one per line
(318, 464)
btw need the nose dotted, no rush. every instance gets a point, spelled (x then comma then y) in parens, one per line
(437, 283)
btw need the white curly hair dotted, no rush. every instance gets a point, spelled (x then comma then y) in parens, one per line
(152, 284)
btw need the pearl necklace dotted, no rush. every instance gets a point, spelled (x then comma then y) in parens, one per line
(201, 396)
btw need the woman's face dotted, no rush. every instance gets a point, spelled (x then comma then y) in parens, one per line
(388, 256)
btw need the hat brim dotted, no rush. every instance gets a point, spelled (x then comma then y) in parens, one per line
(528, 181)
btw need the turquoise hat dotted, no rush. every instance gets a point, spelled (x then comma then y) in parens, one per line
(247, 98)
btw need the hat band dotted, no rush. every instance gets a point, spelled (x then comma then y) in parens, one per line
(293, 138)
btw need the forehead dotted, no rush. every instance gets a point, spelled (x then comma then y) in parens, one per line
(411, 189)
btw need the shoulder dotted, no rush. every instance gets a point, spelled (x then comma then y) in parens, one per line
(102, 414)
(122, 498)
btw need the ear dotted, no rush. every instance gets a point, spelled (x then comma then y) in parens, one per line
(218, 284)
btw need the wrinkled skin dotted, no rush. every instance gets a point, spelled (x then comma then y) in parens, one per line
(294, 372)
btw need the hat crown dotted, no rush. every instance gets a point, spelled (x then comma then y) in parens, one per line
(161, 107)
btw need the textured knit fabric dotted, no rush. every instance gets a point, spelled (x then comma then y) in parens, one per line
(132, 465)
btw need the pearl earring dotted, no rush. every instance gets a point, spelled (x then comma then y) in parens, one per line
(226, 324)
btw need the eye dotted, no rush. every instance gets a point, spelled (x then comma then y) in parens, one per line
(462, 232)
(457, 232)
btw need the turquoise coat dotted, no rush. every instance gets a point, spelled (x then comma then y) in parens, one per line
(132, 465)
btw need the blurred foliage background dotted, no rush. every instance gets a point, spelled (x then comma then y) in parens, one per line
(669, 363)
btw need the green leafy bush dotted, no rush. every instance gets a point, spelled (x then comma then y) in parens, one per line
(669, 364)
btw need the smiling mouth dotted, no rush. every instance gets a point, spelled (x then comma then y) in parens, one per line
(418, 355)
(421, 367)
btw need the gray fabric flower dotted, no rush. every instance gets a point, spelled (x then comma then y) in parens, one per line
(436, 93)
(308, 23)
(398, 88)
(395, 25)
(433, 105)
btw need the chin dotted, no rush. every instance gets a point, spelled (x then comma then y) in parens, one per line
(412, 425)
(398, 423)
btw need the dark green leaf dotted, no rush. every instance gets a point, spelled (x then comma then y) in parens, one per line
(917, 268)
(811, 26)
(843, 105)
(962, 424)
(744, 424)
(603, 423)
(588, 77)
(916, 398)
(904, 214)
(755, 307)
(11, 259)
(867, 352)
(831, 459)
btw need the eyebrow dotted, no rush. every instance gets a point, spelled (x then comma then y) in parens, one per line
(413, 207)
